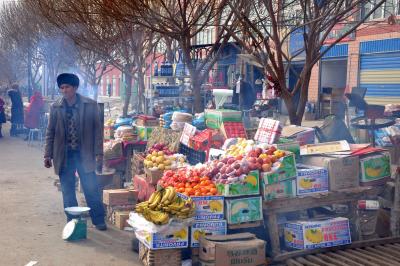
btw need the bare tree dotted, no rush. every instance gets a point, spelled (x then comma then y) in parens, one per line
(265, 27)
(118, 42)
(181, 21)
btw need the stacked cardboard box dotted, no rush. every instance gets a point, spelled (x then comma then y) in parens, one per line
(209, 218)
(118, 203)
(238, 249)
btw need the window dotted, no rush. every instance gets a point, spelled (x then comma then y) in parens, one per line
(388, 8)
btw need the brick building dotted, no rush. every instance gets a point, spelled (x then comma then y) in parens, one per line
(370, 58)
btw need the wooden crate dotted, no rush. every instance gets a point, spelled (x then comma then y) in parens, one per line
(164, 257)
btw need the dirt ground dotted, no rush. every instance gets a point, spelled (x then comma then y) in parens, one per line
(32, 217)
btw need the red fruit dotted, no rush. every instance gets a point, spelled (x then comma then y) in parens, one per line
(272, 148)
(252, 166)
(266, 167)
(239, 157)
(225, 160)
(238, 172)
(229, 170)
(220, 165)
(258, 166)
(236, 166)
(258, 151)
(245, 170)
(223, 170)
(266, 161)
(252, 160)
(260, 160)
(231, 160)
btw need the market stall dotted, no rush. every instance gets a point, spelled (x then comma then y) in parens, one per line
(209, 184)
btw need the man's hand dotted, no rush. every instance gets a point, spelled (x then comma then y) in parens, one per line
(47, 162)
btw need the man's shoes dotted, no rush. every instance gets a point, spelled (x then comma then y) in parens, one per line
(101, 227)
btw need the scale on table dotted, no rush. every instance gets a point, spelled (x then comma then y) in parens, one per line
(76, 229)
(220, 96)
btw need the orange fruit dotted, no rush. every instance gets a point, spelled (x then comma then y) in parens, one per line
(213, 191)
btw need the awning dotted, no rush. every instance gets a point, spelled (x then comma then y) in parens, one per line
(250, 59)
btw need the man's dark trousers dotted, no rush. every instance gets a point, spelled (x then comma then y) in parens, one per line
(89, 184)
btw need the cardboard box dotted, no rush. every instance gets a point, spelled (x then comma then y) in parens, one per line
(238, 249)
(111, 210)
(112, 197)
(209, 208)
(317, 234)
(121, 218)
(286, 170)
(304, 135)
(311, 179)
(325, 147)
(289, 145)
(215, 118)
(280, 190)
(153, 176)
(243, 210)
(251, 186)
(206, 228)
(375, 168)
(155, 241)
(165, 257)
(343, 171)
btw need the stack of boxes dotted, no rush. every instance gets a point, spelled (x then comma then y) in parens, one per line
(243, 204)
(119, 202)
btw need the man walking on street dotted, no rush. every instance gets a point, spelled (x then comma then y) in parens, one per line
(74, 140)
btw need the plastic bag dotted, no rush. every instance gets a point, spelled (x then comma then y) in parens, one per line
(140, 224)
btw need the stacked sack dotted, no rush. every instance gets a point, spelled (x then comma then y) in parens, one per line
(125, 133)
(179, 119)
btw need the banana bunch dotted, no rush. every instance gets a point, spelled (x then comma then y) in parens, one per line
(164, 204)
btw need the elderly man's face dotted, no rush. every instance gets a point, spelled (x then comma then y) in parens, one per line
(68, 91)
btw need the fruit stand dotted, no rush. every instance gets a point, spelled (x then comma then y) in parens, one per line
(195, 188)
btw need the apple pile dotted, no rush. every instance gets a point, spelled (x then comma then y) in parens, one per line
(160, 147)
(235, 169)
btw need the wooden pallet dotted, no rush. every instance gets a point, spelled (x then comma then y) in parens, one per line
(377, 252)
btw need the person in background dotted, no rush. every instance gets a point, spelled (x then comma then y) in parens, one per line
(2, 115)
(34, 111)
(244, 94)
(17, 110)
(74, 142)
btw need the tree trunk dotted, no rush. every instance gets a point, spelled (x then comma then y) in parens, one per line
(29, 75)
(196, 88)
(128, 92)
(141, 87)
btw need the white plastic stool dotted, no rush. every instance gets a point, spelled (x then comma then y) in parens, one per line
(31, 136)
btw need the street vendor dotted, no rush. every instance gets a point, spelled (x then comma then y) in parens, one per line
(244, 94)
(74, 143)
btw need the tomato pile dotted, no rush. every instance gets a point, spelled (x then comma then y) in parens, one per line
(189, 182)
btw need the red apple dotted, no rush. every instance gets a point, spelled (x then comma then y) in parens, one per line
(231, 160)
(266, 167)
(260, 160)
(236, 166)
(238, 172)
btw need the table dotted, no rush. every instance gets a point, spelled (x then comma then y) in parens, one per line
(280, 206)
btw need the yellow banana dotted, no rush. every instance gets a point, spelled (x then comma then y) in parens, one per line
(173, 195)
(166, 192)
(156, 200)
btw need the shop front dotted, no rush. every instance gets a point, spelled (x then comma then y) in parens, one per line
(380, 70)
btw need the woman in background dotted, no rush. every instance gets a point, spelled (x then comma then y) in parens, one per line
(34, 111)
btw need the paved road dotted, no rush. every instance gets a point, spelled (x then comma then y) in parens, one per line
(32, 219)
